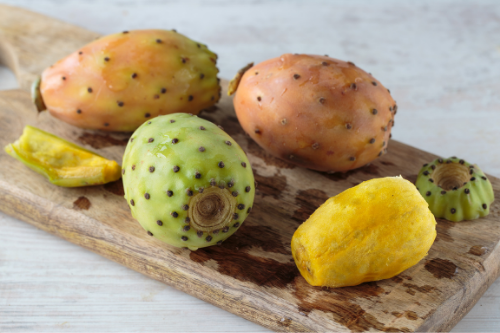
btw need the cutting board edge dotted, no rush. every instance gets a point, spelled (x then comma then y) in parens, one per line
(446, 317)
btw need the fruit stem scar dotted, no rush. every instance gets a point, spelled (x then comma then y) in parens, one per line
(211, 210)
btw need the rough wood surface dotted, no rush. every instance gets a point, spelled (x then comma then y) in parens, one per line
(251, 274)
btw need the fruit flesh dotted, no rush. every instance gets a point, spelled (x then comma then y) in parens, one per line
(455, 189)
(119, 81)
(216, 200)
(61, 162)
(370, 232)
(315, 111)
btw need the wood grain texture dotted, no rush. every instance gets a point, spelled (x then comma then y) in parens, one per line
(253, 269)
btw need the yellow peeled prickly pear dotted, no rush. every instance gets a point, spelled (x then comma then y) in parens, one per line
(370, 232)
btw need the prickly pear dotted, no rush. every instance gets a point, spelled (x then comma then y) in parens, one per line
(370, 232)
(314, 111)
(187, 182)
(117, 82)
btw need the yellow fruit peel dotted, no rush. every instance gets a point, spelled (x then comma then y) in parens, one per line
(61, 162)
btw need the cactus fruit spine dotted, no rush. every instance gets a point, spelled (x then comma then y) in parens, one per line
(187, 182)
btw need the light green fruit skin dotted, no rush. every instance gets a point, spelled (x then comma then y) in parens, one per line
(467, 206)
(164, 155)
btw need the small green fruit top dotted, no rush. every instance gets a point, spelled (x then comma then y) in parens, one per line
(187, 182)
(455, 189)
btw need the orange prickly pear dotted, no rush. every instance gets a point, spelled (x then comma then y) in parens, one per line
(117, 82)
(314, 111)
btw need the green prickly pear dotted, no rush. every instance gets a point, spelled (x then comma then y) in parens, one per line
(118, 81)
(187, 182)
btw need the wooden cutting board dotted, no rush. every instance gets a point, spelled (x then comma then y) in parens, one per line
(252, 274)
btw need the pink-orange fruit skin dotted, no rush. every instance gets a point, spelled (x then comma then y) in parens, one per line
(315, 111)
(117, 82)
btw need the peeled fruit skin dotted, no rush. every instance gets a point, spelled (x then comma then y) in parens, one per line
(455, 189)
(370, 232)
(316, 112)
(187, 182)
(61, 162)
(117, 82)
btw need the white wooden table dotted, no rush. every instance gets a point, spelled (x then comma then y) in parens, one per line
(441, 60)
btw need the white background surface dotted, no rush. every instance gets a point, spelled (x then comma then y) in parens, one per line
(441, 60)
